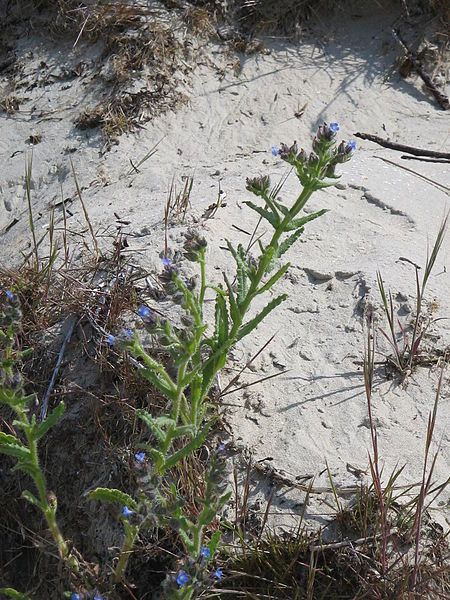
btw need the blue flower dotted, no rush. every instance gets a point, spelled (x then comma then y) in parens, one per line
(126, 512)
(111, 340)
(275, 151)
(75, 596)
(166, 261)
(350, 147)
(218, 573)
(140, 457)
(127, 334)
(182, 578)
(205, 552)
(9, 295)
(144, 312)
(221, 447)
(334, 127)
(98, 597)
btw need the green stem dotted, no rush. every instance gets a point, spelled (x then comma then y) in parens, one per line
(48, 510)
(127, 548)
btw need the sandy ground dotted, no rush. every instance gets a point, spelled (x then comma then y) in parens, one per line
(316, 411)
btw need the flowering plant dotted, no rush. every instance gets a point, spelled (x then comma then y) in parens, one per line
(198, 355)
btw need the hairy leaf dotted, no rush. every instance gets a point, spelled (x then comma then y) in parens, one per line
(12, 446)
(271, 282)
(41, 429)
(273, 219)
(251, 325)
(296, 223)
(11, 593)
(32, 499)
(288, 242)
(113, 495)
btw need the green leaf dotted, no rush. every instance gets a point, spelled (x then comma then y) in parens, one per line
(12, 446)
(11, 593)
(251, 325)
(296, 223)
(32, 499)
(152, 424)
(234, 310)
(190, 547)
(190, 447)
(41, 429)
(284, 209)
(284, 246)
(112, 495)
(214, 542)
(221, 329)
(158, 458)
(206, 516)
(273, 219)
(271, 282)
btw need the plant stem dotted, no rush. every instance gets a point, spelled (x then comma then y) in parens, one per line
(48, 510)
(131, 534)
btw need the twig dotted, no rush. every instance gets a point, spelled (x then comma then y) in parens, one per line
(66, 339)
(441, 98)
(436, 184)
(431, 160)
(401, 147)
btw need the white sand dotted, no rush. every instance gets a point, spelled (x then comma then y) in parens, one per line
(316, 412)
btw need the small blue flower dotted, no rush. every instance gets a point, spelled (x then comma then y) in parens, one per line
(205, 552)
(182, 578)
(350, 147)
(127, 334)
(144, 312)
(126, 512)
(166, 261)
(111, 340)
(9, 295)
(218, 574)
(221, 447)
(334, 127)
(98, 597)
(275, 151)
(75, 596)
(140, 457)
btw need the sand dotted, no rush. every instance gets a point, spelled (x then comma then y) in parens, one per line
(315, 413)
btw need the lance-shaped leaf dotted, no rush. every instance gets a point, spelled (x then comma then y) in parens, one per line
(251, 325)
(11, 446)
(153, 424)
(214, 542)
(234, 310)
(14, 594)
(273, 218)
(281, 207)
(288, 242)
(190, 447)
(41, 429)
(221, 327)
(32, 499)
(274, 279)
(297, 223)
(112, 495)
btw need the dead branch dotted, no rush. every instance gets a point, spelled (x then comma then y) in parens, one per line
(402, 147)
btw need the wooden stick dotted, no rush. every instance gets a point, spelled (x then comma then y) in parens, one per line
(401, 147)
(441, 98)
(431, 160)
(71, 324)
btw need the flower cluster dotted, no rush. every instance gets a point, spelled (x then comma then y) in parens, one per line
(194, 245)
(319, 164)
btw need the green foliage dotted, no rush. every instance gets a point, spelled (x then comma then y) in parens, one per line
(198, 358)
(10, 593)
(112, 495)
